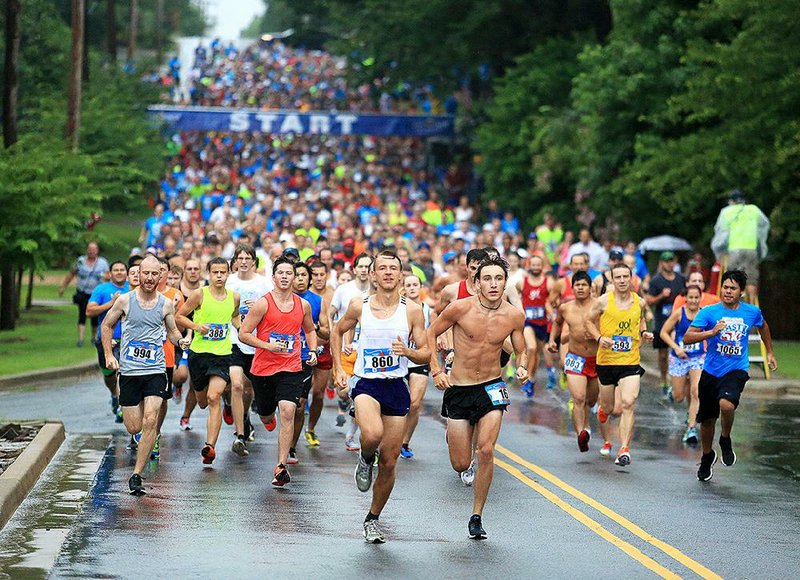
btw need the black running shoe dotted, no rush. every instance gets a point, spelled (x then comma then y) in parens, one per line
(728, 455)
(281, 476)
(135, 484)
(705, 472)
(476, 531)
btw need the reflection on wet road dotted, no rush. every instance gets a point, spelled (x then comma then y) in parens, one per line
(552, 511)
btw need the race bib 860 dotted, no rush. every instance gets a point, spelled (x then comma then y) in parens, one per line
(378, 360)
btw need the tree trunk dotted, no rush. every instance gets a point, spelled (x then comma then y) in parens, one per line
(111, 30)
(29, 297)
(74, 106)
(7, 319)
(18, 289)
(85, 45)
(133, 29)
(10, 82)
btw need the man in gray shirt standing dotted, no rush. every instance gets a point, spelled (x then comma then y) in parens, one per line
(146, 317)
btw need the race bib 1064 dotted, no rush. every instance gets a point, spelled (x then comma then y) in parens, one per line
(142, 352)
(379, 360)
(216, 332)
(498, 393)
(621, 343)
(574, 363)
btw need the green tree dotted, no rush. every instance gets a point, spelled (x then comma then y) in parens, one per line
(526, 123)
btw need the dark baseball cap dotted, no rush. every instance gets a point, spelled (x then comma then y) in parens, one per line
(667, 255)
(291, 252)
(737, 195)
(425, 245)
(615, 255)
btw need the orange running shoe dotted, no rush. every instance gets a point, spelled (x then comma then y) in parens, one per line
(605, 450)
(272, 424)
(208, 454)
(601, 415)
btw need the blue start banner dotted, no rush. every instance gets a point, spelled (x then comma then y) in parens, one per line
(337, 123)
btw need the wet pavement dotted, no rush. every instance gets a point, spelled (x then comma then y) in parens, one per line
(552, 511)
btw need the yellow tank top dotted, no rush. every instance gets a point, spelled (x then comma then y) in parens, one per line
(622, 326)
(217, 314)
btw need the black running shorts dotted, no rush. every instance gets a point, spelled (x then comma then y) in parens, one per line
(134, 388)
(470, 402)
(610, 375)
(711, 389)
(204, 365)
(282, 386)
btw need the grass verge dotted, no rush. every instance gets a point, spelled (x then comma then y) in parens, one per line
(788, 355)
(44, 338)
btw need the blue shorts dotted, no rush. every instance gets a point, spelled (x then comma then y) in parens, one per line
(392, 394)
(539, 331)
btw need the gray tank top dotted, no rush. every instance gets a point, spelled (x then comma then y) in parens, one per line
(143, 332)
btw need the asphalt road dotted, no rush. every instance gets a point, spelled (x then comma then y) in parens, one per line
(552, 511)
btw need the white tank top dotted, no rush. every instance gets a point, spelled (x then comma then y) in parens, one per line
(426, 314)
(375, 358)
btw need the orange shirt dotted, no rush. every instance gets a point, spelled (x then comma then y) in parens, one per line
(705, 300)
(177, 301)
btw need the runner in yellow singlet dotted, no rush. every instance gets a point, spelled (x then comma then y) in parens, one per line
(617, 323)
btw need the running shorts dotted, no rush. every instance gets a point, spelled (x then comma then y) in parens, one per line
(391, 394)
(423, 370)
(539, 331)
(610, 375)
(473, 402)
(134, 388)
(241, 359)
(584, 366)
(204, 365)
(325, 360)
(101, 357)
(711, 389)
(680, 367)
(282, 386)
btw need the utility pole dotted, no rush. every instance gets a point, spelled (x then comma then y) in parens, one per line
(76, 65)
(134, 29)
(8, 295)
(111, 30)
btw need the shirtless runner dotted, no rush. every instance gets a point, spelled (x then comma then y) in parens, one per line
(474, 394)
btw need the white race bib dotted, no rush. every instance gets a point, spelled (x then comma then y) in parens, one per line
(216, 332)
(498, 393)
(142, 352)
(574, 363)
(622, 343)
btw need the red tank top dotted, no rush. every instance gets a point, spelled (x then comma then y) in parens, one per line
(567, 295)
(463, 291)
(534, 299)
(279, 327)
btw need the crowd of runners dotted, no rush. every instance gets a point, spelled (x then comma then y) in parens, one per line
(278, 270)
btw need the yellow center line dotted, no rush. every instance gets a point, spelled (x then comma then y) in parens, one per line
(669, 550)
(593, 525)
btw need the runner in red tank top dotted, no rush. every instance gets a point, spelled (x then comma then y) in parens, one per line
(453, 292)
(273, 326)
(463, 291)
(535, 290)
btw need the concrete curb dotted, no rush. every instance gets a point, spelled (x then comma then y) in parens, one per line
(18, 480)
(47, 375)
